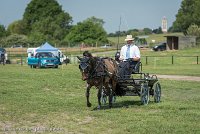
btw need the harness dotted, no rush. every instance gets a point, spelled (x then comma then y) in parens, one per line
(100, 69)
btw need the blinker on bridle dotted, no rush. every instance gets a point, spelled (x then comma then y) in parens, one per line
(83, 66)
(84, 63)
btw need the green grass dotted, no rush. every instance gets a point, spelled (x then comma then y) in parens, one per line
(42, 99)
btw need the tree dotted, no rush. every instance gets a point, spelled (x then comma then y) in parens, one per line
(88, 32)
(196, 14)
(147, 31)
(16, 27)
(36, 39)
(157, 31)
(2, 31)
(96, 21)
(3, 35)
(15, 39)
(46, 18)
(193, 30)
(187, 15)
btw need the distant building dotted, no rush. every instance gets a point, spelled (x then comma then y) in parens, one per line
(164, 24)
(180, 42)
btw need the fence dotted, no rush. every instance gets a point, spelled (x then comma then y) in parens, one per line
(147, 60)
(22, 59)
(172, 59)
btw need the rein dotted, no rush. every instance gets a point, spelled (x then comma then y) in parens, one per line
(95, 73)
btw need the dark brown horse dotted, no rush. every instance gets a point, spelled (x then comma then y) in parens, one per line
(98, 72)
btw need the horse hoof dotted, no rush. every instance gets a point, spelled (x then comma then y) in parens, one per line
(98, 107)
(89, 105)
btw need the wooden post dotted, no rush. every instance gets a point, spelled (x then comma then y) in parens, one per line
(172, 59)
(146, 60)
(21, 61)
(197, 59)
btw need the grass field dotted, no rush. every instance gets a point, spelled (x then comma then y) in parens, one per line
(157, 37)
(53, 101)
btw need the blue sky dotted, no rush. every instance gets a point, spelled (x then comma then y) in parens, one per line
(135, 14)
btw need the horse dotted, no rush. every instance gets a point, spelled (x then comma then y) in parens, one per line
(98, 72)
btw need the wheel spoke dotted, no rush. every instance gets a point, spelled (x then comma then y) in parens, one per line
(144, 94)
(157, 92)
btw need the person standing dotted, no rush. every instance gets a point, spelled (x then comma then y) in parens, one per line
(3, 58)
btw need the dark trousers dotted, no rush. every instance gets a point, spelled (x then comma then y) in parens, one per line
(126, 68)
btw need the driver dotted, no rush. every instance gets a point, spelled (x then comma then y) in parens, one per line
(129, 55)
(130, 50)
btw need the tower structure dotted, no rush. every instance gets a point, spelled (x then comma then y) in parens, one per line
(164, 24)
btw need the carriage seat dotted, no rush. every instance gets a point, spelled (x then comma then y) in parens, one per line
(136, 66)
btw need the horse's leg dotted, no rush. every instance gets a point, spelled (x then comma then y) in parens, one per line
(99, 97)
(110, 95)
(87, 94)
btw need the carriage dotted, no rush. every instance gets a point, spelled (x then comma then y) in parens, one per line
(113, 78)
(136, 83)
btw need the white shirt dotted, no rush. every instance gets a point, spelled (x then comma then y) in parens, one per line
(134, 52)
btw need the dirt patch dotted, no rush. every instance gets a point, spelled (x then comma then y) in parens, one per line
(179, 77)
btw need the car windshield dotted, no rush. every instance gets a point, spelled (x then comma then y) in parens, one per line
(44, 55)
(2, 50)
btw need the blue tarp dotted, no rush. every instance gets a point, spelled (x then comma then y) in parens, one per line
(46, 48)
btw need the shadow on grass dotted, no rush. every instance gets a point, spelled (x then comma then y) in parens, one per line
(121, 104)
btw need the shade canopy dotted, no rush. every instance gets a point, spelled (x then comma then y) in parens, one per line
(46, 48)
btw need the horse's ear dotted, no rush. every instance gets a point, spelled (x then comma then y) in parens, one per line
(79, 58)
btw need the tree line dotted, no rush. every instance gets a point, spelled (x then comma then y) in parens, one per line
(46, 21)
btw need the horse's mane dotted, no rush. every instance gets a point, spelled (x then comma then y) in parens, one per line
(87, 54)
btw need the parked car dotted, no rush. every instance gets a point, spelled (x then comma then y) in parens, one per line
(106, 46)
(16, 46)
(2, 50)
(43, 59)
(160, 47)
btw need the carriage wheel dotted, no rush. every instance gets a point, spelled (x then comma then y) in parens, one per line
(157, 92)
(103, 97)
(114, 99)
(144, 94)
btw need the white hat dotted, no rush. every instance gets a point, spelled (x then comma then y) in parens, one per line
(129, 37)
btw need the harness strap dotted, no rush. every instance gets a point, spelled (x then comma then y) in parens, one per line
(95, 73)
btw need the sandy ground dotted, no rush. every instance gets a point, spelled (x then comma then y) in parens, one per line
(179, 77)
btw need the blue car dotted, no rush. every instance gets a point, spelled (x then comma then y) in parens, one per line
(43, 59)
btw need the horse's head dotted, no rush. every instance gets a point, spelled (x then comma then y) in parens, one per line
(84, 67)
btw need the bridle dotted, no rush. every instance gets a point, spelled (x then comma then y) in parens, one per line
(98, 71)
(84, 64)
